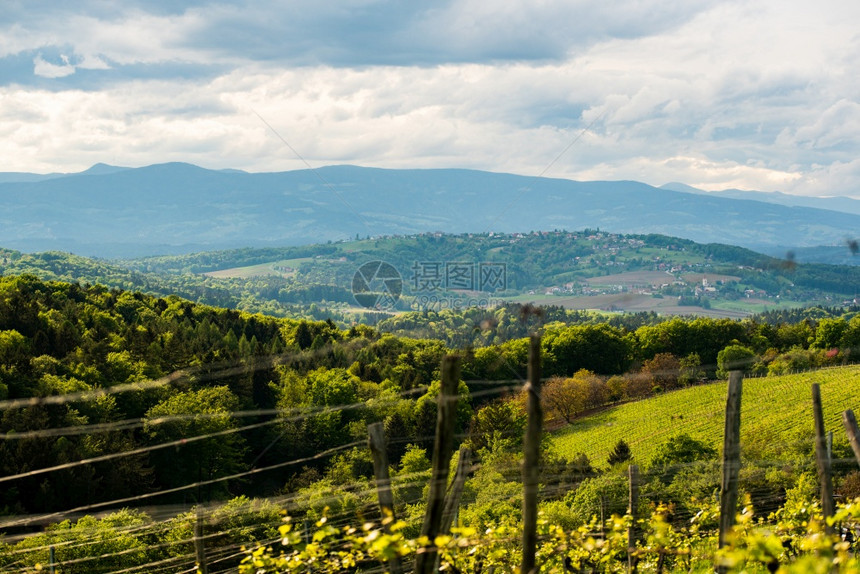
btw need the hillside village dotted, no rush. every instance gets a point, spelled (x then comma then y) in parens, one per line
(624, 264)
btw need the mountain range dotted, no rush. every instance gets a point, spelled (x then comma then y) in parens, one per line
(110, 211)
(843, 204)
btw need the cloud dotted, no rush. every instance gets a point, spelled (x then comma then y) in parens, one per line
(715, 94)
(836, 126)
(341, 34)
(92, 62)
(49, 70)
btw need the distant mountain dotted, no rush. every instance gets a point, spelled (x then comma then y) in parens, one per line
(102, 169)
(677, 186)
(17, 176)
(846, 254)
(173, 208)
(842, 204)
(21, 177)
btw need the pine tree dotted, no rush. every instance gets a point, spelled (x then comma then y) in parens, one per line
(620, 453)
(304, 338)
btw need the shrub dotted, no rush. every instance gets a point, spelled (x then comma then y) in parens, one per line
(602, 496)
(734, 357)
(679, 450)
(662, 370)
(796, 359)
(850, 485)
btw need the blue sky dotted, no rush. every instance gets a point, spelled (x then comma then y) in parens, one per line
(753, 95)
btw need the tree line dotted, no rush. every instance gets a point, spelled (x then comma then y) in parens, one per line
(255, 391)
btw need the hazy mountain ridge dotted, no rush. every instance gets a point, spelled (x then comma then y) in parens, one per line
(842, 204)
(178, 207)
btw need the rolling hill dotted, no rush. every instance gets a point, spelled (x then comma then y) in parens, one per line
(776, 418)
(587, 270)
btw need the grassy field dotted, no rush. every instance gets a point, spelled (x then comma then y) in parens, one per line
(633, 279)
(632, 303)
(667, 256)
(776, 417)
(711, 277)
(284, 268)
(751, 306)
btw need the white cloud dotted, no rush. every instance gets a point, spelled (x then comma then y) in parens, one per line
(93, 62)
(49, 70)
(701, 173)
(717, 94)
(838, 124)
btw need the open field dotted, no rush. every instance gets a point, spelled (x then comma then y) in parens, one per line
(752, 305)
(668, 255)
(713, 312)
(776, 417)
(634, 278)
(283, 268)
(617, 301)
(631, 303)
(711, 277)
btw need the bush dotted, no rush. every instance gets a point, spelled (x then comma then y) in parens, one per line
(695, 480)
(662, 370)
(496, 500)
(561, 476)
(602, 496)
(691, 370)
(637, 386)
(734, 357)
(849, 487)
(559, 513)
(679, 450)
(414, 473)
(502, 421)
(616, 387)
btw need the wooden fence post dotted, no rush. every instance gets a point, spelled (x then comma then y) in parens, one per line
(632, 510)
(731, 459)
(822, 459)
(425, 558)
(850, 424)
(376, 442)
(199, 547)
(531, 458)
(452, 500)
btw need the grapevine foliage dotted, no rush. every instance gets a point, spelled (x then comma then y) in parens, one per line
(793, 539)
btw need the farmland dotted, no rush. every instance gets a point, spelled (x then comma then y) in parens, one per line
(586, 270)
(776, 417)
(281, 268)
(576, 270)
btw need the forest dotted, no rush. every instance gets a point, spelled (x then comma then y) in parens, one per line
(116, 400)
(318, 285)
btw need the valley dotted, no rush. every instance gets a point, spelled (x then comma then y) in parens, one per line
(381, 287)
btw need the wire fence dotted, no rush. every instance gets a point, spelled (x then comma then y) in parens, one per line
(778, 425)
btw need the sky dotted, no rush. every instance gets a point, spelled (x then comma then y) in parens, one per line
(715, 94)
